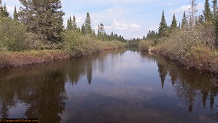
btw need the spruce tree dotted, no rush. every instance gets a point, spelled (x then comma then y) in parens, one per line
(207, 12)
(214, 6)
(174, 23)
(43, 17)
(163, 27)
(69, 24)
(83, 29)
(74, 25)
(15, 14)
(184, 21)
(88, 28)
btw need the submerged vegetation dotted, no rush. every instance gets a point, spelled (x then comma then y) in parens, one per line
(193, 44)
(36, 34)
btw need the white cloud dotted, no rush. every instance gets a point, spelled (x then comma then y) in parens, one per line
(186, 8)
(119, 26)
(134, 25)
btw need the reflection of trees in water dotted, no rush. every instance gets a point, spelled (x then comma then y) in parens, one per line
(47, 99)
(194, 86)
(85, 65)
(42, 88)
(44, 93)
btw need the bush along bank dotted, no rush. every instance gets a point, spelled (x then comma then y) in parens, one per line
(192, 48)
(14, 59)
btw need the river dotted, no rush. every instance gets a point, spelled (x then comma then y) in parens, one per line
(121, 86)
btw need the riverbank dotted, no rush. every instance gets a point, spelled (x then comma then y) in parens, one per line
(191, 48)
(14, 59)
(198, 58)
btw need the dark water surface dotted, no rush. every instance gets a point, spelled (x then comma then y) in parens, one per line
(123, 86)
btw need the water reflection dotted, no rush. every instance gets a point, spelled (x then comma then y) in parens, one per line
(119, 86)
(194, 86)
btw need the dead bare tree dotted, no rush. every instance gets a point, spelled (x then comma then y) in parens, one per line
(192, 12)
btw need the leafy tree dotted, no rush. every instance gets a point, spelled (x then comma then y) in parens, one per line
(174, 23)
(184, 21)
(207, 12)
(43, 17)
(69, 24)
(15, 14)
(88, 28)
(163, 27)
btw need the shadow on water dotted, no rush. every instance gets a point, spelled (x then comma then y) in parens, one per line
(40, 91)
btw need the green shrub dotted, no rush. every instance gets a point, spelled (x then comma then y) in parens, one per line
(146, 45)
(77, 43)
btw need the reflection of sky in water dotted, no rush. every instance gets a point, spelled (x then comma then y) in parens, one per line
(126, 87)
(130, 88)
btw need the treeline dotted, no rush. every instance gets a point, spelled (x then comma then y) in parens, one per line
(193, 42)
(86, 29)
(39, 25)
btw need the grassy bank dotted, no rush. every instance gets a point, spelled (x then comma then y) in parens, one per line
(14, 59)
(192, 48)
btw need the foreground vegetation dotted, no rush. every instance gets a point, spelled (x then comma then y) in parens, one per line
(194, 44)
(37, 35)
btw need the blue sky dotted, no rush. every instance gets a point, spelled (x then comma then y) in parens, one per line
(130, 18)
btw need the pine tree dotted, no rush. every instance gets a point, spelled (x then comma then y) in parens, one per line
(69, 24)
(174, 23)
(74, 24)
(15, 14)
(163, 27)
(83, 29)
(207, 13)
(88, 28)
(214, 6)
(184, 21)
(43, 17)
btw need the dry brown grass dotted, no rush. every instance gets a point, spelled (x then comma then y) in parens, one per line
(13, 59)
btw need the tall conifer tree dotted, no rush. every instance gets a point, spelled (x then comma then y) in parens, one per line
(207, 12)
(15, 14)
(88, 28)
(43, 17)
(214, 6)
(69, 24)
(174, 23)
(74, 24)
(184, 21)
(163, 27)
